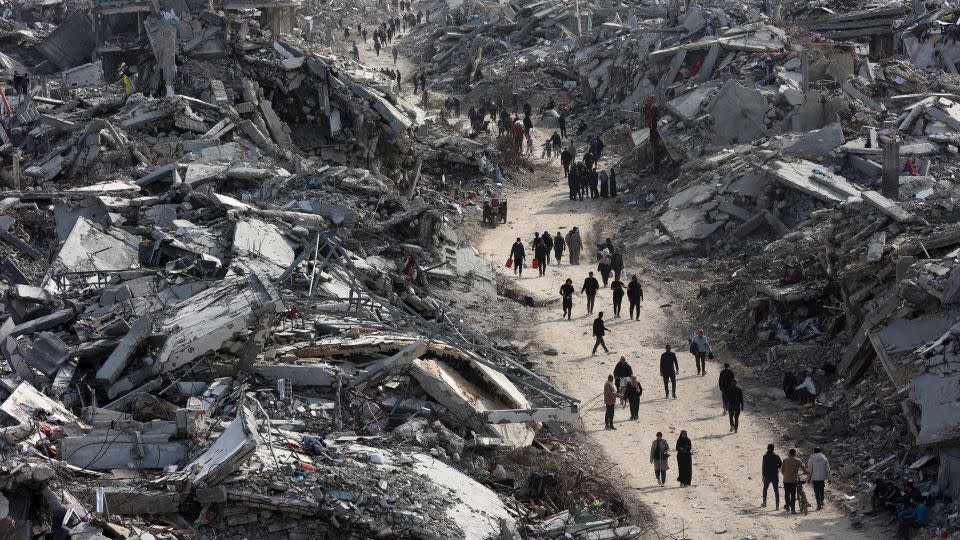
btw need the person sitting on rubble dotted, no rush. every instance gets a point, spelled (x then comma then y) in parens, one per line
(355, 52)
(789, 385)
(914, 516)
(882, 498)
(806, 390)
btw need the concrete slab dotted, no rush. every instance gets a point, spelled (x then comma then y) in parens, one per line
(688, 224)
(812, 179)
(886, 206)
(738, 114)
(260, 247)
(818, 143)
(692, 196)
(939, 401)
(687, 106)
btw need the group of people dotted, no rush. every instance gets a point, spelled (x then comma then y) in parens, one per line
(543, 246)
(584, 179)
(622, 384)
(905, 502)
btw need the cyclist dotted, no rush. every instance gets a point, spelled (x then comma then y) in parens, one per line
(791, 479)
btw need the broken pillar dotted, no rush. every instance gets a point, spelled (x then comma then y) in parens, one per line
(890, 188)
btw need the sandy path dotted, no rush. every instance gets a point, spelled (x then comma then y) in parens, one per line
(724, 501)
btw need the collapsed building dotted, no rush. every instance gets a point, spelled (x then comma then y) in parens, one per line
(228, 257)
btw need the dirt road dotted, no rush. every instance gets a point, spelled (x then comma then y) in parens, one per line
(724, 501)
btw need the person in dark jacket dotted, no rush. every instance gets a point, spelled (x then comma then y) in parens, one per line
(684, 450)
(669, 367)
(617, 287)
(518, 254)
(634, 295)
(540, 254)
(555, 142)
(599, 330)
(547, 243)
(734, 405)
(566, 293)
(594, 180)
(566, 159)
(558, 246)
(771, 475)
(613, 183)
(632, 393)
(616, 263)
(590, 286)
(726, 376)
(621, 372)
(604, 268)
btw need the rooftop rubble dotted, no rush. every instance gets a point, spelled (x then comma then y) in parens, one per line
(812, 173)
(227, 302)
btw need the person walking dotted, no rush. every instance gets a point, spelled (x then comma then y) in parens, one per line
(632, 393)
(734, 405)
(604, 266)
(590, 286)
(819, 468)
(547, 243)
(726, 375)
(616, 263)
(617, 287)
(791, 468)
(700, 347)
(517, 253)
(562, 124)
(558, 245)
(770, 472)
(566, 159)
(574, 244)
(622, 371)
(566, 293)
(610, 396)
(659, 456)
(634, 295)
(540, 254)
(396, 53)
(599, 330)
(668, 370)
(684, 459)
(613, 183)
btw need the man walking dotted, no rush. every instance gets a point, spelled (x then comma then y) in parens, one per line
(566, 293)
(540, 254)
(734, 405)
(558, 246)
(771, 475)
(668, 370)
(634, 295)
(547, 243)
(726, 375)
(590, 286)
(610, 395)
(562, 124)
(819, 468)
(617, 287)
(700, 347)
(574, 244)
(566, 159)
(791, 468)
(599, 330)
(621, 372)
(396, 53)
(517, 253)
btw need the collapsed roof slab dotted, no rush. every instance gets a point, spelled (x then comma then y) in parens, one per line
(92, 248)
(204, 322)
(939, 400)
(812, 179)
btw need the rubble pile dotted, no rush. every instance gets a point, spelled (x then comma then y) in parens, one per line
(230, 280)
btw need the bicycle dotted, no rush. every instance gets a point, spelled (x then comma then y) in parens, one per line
(802, 497)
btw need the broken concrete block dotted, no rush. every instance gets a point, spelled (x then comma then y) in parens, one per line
(818, 143)
(110, 371)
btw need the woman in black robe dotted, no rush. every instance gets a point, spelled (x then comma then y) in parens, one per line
(684, 459)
